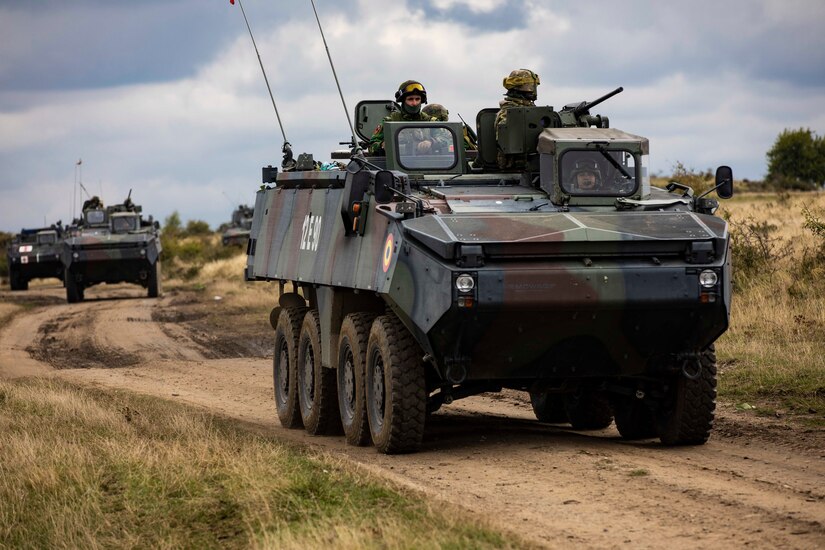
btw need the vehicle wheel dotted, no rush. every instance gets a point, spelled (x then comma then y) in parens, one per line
(352, 354)
(17, 282)
(588, 411)
(153, 284)
(548, 407)
(284, 368)
(74, 292)
(634, 419)
(317, 395)
(395, 384)
(686, 416)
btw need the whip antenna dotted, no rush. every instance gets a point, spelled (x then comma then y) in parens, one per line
(334, 74)
(288, 162)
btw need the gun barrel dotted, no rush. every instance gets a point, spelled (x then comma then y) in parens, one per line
(587, 106)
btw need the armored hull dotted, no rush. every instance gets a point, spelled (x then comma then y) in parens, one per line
(408, 282)
(111, 246)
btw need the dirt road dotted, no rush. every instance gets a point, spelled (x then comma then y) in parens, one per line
(757, 483)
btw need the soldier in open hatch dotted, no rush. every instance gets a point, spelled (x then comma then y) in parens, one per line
(437, 111)
(586, 176)
(521, 87)
(409, 97)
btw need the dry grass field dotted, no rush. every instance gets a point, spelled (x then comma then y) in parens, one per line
(773, 355)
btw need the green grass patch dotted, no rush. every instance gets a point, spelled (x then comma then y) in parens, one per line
(84, 468)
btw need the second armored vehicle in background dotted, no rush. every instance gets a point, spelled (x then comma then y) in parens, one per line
(35, 254)
(111, 245)
(237, 232)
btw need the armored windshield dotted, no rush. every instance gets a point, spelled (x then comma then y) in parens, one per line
(598, 173)
(47, 238)
(426, 147)
(95, 217)
(124, 224)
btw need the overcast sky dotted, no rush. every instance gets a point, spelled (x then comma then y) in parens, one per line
(165, 97)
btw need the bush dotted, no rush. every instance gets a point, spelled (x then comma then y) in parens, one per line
(756, 252)
(698, 181)
(187, 250)
(808, 274)
(5, 239)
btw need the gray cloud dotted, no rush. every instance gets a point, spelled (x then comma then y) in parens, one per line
(166, 97)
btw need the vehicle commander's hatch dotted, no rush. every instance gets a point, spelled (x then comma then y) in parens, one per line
(369, 114)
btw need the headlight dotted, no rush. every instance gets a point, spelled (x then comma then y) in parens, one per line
(708, 278)
(75, 255)
(464, 283)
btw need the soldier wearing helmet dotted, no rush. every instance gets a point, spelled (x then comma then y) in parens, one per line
(521, 87)
(437, 111)
(409, 97)
(586, 176)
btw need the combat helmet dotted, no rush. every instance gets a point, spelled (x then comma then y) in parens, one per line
(410, 87)
(437, 111)
(522, 83)
(586, 165)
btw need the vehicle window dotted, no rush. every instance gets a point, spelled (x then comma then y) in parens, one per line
(598, 173)
(124, 224)
(95, 216)
(426, 148)
(48, 238)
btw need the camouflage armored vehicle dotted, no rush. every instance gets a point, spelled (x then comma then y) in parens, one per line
(237, 232)
(35, 254)
(408, 281)
(111, 245)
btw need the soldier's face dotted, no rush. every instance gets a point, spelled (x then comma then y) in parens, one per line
(413, 100)
(586, 180)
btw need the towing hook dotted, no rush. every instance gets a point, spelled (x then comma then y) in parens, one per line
(456, 373)
(692, 368)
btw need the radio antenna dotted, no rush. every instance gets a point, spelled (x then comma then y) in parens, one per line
(288, 162)
(334, 74)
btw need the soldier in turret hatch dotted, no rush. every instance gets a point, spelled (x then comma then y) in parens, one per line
(521, 87)
(410, 96)
(92, 203)
(437, 111)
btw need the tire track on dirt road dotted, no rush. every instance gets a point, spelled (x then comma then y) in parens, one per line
(488, 454)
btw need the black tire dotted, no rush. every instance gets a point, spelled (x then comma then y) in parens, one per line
(396, 388)
(352, 357)
(17, 281)
(74, 292)
(588, 410)
(284, 370)
(317, 391)
(634, 418)
(153, 282)
(686, 416)
(548, 407)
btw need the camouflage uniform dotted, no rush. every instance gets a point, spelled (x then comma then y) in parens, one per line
(521, 92)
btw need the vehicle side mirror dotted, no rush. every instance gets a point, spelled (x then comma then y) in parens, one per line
(383, 186)
(724, 182)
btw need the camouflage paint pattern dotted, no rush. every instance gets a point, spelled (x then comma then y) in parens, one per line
(95, 253)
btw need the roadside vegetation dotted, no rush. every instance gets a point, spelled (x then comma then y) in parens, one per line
(772, 358)
(83, 468)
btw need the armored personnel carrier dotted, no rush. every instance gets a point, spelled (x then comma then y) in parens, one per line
(237, 232)
(35, 254)
(410, 280)
(111, 244)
